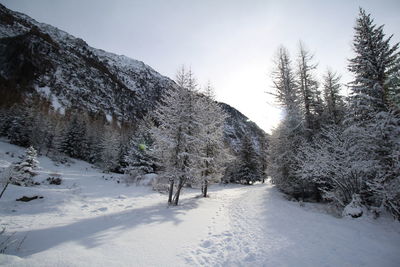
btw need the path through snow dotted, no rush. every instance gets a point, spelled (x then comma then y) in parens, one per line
(265, 229)
(90, 220)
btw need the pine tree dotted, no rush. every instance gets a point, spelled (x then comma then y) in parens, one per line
(249, 170)
(20, 128)
(139, 157)
(373, 119)
(334, 103)
(74, 143)
(24, 171)
(375, 61)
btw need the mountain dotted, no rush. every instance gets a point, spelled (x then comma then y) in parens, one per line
(39, 59)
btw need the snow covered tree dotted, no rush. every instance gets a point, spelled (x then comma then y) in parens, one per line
(288, 138)
(249, 169)
(308, 86)
(213, 153)
(374, 63)
(330, 163)
(373, 120)
(177, 137)
(23, 171)
(334, 104)
(74, 143)
(139, 158)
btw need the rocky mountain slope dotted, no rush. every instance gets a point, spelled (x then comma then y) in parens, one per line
(39, 59)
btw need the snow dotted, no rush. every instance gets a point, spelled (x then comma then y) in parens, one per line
(91, 220)
(109, 117)
(57, 105)
(45, 90)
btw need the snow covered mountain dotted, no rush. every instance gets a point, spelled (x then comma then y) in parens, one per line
(39, 59)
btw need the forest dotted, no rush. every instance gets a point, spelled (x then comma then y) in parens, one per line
(328, 147)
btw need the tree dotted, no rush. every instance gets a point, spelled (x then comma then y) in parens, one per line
(308, 86)
(139, 157)
(23, 172)
(110, 144)
(334, 103)
(330, 163)
(20, 127)
(213, 153)
(5, 178)
(373, 120)
(74, 143)
(177, 137)
(249, 170)
(288, 138)
(374, 63)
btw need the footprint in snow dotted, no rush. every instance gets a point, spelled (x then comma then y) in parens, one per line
(206, 244)
(102, 209)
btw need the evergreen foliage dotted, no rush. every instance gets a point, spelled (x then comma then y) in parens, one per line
(353, 154)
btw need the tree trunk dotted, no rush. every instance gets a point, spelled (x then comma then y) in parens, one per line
(4, 189)
(205, 188)
(171, 191)
(178, 191)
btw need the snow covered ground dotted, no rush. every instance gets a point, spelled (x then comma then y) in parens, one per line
(91, 220)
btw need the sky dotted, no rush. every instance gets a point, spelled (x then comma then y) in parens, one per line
(231, 43)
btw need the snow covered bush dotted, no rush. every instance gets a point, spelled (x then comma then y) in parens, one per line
(331, 164)
(354, 208)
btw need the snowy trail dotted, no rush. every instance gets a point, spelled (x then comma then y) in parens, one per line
(265, 229)
(91, 220)
(238, 243)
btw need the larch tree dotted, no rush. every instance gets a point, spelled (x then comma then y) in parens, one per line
(213, 153)
(308, 88)
(288, 137)
(177, 140)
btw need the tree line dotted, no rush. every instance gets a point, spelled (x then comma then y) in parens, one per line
(343, 149)
(182, 140)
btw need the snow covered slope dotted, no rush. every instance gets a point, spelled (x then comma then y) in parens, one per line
(91, 220)
(39, 59)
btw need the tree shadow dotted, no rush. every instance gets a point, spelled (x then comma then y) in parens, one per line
(87, 232)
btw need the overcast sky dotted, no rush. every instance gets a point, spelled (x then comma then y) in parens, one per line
(231, 43)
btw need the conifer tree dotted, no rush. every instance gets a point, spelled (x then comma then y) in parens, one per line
(24, 171)
(139, 157)
(334, 103)
(308, 87)
(373, 123)
(288, 137)
(213, 153)
(74, 143)
(249, 170)
(177, 136)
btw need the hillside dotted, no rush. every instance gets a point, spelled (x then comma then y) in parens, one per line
(39, 59)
